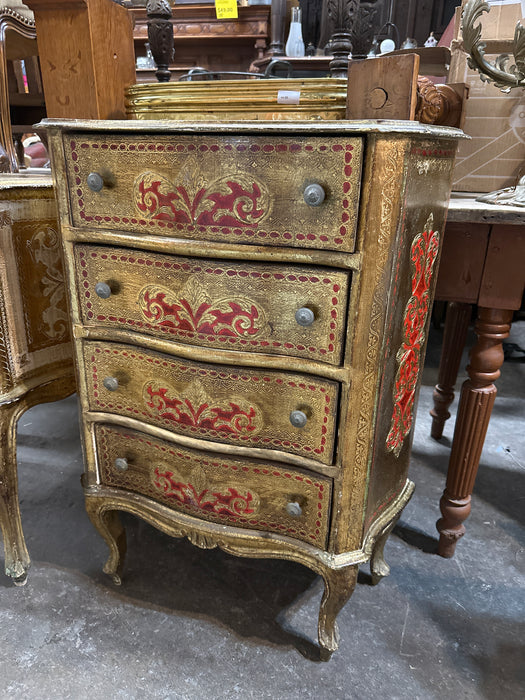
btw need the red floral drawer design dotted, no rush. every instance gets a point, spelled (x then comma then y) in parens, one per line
(248, 307)
(241, 493)
(242, 406)
(232, 189)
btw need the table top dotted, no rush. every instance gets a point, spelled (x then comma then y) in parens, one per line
(463, 208)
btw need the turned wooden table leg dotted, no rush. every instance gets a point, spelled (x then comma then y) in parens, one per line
(454, 337)
(475, 406)
(17, 560)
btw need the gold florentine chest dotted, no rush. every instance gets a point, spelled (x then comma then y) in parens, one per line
(250, 305)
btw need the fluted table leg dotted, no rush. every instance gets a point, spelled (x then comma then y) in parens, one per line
(475, 406)
(454, 337)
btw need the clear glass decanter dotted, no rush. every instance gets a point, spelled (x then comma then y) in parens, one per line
(295, 44)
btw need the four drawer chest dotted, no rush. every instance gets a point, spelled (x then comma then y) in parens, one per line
(250, 304)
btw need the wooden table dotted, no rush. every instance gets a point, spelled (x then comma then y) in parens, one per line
(483, 263)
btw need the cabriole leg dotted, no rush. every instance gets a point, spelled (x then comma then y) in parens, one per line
(378, 566)
(17, 560)
(108, 524)
(339, 585)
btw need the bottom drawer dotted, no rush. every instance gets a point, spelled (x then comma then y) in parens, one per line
(239, 492)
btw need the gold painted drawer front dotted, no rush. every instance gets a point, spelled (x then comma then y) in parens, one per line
(232, 189)
(238, 306)
(213, 402)
(241, 493)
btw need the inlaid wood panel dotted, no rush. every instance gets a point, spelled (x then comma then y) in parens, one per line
(243, 493)
(247, 189)
(212, 402)
(242, 306)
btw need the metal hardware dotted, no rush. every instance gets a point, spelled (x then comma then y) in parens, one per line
(294, 509)
(121, 464)
(314, 194)
(298, 419)
(111, 383)
(95, 182)
(304, 316)
(102, 290)
(270, 72)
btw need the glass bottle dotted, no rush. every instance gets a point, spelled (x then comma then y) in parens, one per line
(295, 44)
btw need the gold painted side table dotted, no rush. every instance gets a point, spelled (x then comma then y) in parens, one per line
(36, 362)
(250, 304)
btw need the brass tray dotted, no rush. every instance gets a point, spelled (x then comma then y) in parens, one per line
(234, 100)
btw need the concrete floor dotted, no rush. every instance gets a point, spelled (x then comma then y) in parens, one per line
(196, 624)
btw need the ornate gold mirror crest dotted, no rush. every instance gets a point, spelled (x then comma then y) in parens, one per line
(492, 71)
(503, 76)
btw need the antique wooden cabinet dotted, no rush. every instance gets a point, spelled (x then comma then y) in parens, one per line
(250, 309)
(36, 363)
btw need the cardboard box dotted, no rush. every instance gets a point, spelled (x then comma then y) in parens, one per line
(495, 157)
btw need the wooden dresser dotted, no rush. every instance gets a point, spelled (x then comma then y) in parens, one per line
(250, 308)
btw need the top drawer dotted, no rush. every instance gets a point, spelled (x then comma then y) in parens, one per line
(289, 191)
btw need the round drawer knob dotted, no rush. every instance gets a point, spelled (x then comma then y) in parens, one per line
(304, 316)
(294, 509)
(121, 464)
(111, 383)
(95, 182)
(102, 290)
(314, 195)
(298, 419)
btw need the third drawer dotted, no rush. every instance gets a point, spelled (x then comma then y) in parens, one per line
(273, 410)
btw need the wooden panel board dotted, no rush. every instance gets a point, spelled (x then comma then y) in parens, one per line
(383, 88)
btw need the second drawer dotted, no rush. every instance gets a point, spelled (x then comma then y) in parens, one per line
(291, 310)
(255, 408)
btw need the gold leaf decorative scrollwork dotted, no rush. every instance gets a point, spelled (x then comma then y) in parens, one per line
(192, 309)
(195, 492)
(233, 200)
(192, 407)
(44, 249)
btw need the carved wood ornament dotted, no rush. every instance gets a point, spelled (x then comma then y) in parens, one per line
(160, 36)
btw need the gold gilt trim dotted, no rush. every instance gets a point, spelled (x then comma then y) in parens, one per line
(244, 543)
(378, 310)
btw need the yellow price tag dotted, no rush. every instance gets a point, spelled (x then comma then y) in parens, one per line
(226, 9)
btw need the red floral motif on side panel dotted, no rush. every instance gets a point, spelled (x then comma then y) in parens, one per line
(424, 250)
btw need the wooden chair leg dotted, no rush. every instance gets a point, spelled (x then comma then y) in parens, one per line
(454, 337)
(477, 398)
